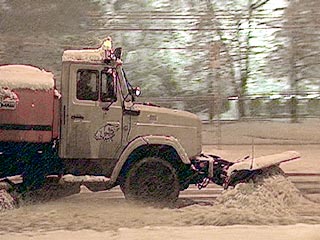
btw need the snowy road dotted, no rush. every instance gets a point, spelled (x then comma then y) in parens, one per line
(308, 184)
(106, 215)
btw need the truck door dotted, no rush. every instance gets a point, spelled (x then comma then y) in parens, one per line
(94, 113)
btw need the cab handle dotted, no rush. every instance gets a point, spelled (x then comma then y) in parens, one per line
(73, 117)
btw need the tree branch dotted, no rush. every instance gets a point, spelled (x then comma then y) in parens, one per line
(258, 4)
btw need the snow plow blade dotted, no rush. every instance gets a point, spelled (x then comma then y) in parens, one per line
(263, 162)
(211, 168)
(245, 170)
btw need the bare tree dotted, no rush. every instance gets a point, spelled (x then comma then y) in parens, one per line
(296, 56)
(237, 41)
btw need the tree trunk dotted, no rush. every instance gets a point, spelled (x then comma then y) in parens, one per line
(293, 83)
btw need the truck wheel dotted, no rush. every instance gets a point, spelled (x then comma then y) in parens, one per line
(151, 180)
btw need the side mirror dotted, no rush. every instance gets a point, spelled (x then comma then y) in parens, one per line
(118, 53)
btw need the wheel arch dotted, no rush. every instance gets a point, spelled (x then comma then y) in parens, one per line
(165, 147)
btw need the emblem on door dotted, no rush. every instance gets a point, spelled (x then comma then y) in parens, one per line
(107, 132)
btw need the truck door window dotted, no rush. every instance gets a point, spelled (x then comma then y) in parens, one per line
(107, 93)
(87, 84)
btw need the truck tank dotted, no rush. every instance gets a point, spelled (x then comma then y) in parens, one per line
(29, 105)
(29, 118)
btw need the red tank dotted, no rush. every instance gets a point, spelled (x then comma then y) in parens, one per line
(29, 105)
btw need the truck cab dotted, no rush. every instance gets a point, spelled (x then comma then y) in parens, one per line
(105, 131)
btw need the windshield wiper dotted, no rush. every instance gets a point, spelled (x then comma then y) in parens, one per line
(129, 86)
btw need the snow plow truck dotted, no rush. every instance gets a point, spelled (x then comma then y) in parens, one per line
(95, 126)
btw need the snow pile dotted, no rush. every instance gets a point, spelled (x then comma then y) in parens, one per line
(6, 201)
(25, 77)
(269, 199)
(88, 55)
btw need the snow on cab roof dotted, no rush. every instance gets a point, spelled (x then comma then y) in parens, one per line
(25, 77)
(87, 55)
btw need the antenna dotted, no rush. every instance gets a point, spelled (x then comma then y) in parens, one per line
(252, 152)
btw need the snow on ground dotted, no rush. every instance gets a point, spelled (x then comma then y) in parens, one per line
(239, 232)
(280, 132)
(271, 203)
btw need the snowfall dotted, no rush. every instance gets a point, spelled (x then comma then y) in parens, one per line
(271, 207)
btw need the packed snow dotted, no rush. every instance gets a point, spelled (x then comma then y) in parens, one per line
(6, 201)
(88, 55)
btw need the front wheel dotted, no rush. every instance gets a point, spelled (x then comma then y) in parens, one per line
(151, 180)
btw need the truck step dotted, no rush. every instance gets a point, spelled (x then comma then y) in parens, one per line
(93, 183)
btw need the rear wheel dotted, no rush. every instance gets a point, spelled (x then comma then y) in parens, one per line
(151, 180)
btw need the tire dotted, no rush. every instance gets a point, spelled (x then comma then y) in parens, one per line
(151, 180)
